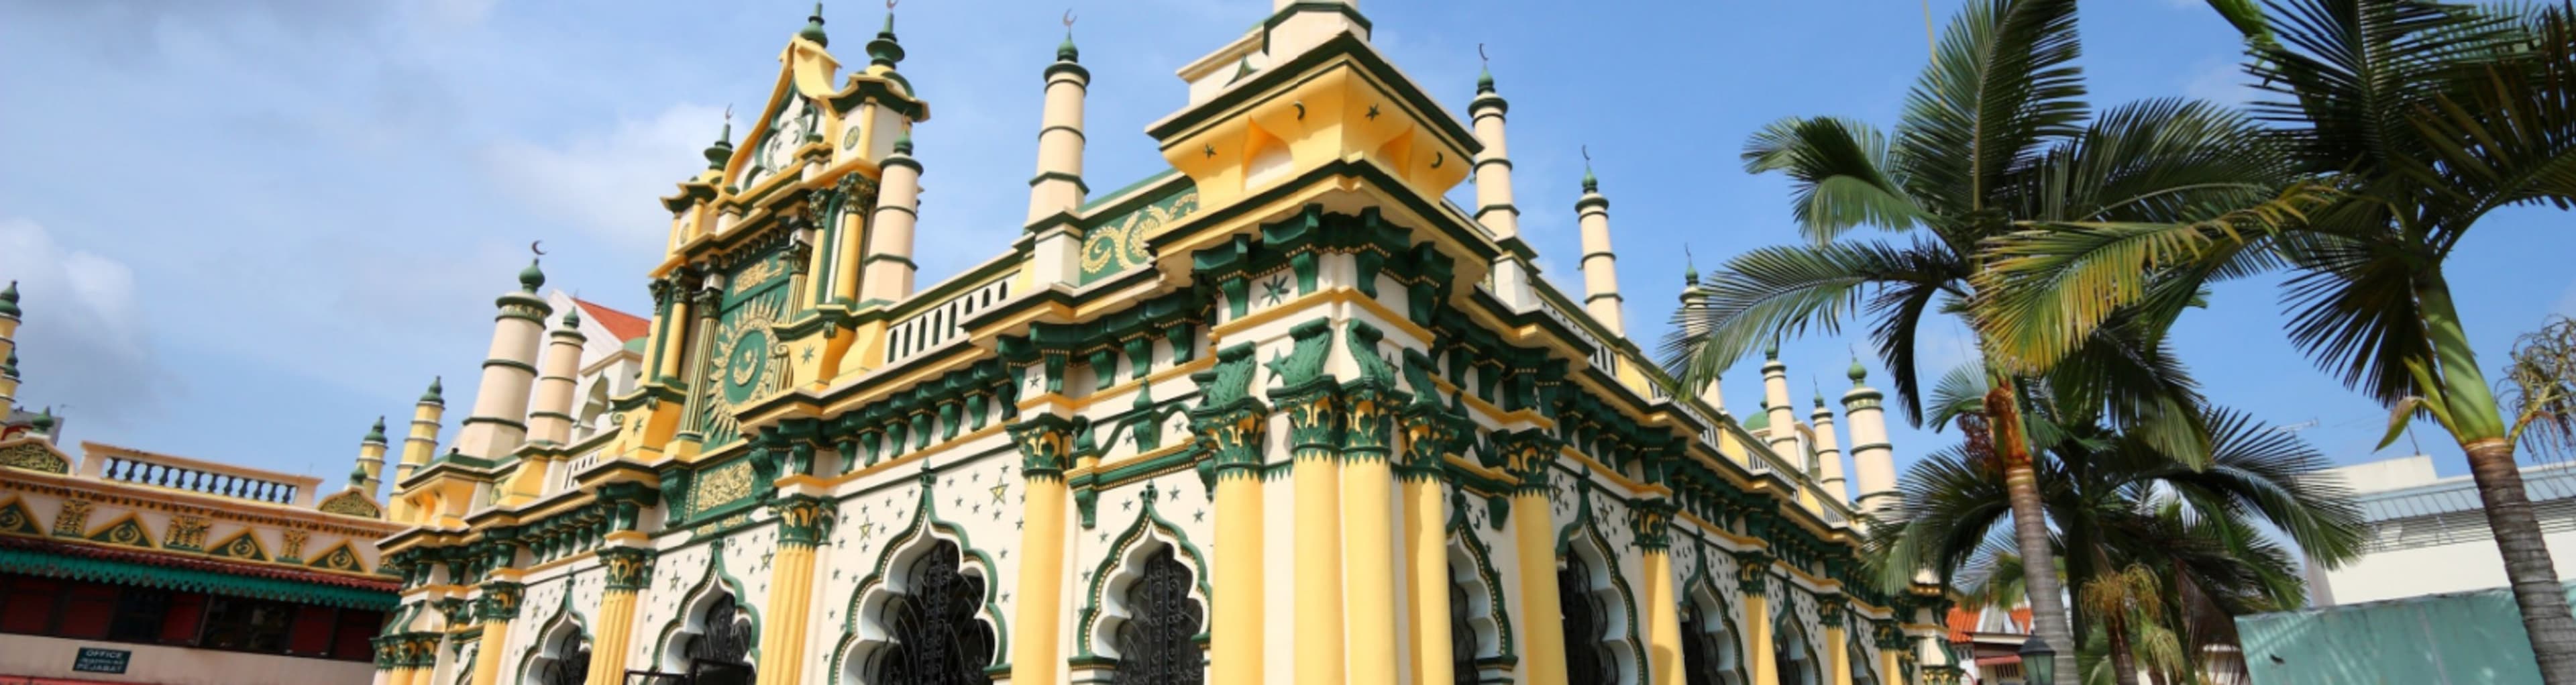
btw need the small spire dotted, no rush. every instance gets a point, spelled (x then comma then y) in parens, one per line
(376, 433)
(1485, 80)
(433, 396)
(903, 144)
(1065, 51)
(722, 151)
(572, 318)
(9, 300)
(814, 28)
(532, 278)
(44, 422)
(885, 51)
(357, 476)
(1771, 352)
(1857, 372)
(1690, 270)
(1591, 184)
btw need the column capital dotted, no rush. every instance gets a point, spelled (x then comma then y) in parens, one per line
(629, 568)
(500, 600)
(803, 520)
(1753, 572)
(1830, 609)
(1526, 454)
(1046, 445)
(1653, 521)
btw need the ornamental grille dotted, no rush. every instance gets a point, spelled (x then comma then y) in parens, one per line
(1708, 655)
(1462, 636)
(571, 663)
(1158, 644)
(721, 655)
(936, 637)
(1586, 661)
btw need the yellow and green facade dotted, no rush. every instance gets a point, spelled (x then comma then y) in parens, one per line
(1277, 414)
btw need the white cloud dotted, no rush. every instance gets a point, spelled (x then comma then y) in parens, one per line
(604, 181)
(81, 342)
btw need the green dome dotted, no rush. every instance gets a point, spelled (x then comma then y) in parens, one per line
(814, 28)
(1591, 184)
(376, 434)
(9, 300)
(903, 144)
(531, 278)
(10, 368)
(1772, 351)
(1856, 373)
(1065, 52)
(1760, 419)
(43, 423)
(1485, 81)
(572, 317)
(884, 51)
(357, 476)
(434, 390)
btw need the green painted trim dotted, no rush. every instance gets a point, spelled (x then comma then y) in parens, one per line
(1045, 176)
(1276, 18)
(485, 419)
(36, 563)
(924, 521)
(1063, 67)
(1613, 296)
(1077, 133)
(1592, 202)
(1481, 556)
(1505, 161)
(898, 259)
(714, 574)
(1506, 206)
(1121, 194)
(512, 363)
(1585, 526)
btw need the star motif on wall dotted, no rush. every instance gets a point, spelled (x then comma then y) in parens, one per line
(1275, 290)
(999, 489)
(1372, 113)
(809, 353)
(1211, 150)
(1016, 523)
(1129, 505)
(1199, 516)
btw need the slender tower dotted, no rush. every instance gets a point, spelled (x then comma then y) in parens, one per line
(8, 347)
(1695, 301)
(1056, 192)
(887, 270)
(501, 401)
(1873, 459)
(422, 442)
(550, 423)
(1829, 456)
(1494, 209)
(1782, 434)
(371, 461)
(1600, 266)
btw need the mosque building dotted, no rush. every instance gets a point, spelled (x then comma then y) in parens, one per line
(1277, 414)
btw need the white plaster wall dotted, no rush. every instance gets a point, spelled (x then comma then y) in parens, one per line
(49, 657)
(2474, 565)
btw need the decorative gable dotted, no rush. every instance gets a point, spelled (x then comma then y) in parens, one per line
(351, 503)
(242, 545)
(34, 455)
(340, 558)
(128, 532)
(16, 520)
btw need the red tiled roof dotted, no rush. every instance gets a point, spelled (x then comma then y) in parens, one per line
(169, 560)
(1961, 623)
(625, 326)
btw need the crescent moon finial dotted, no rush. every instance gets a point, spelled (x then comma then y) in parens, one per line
(533, 247)
(1480, 54)
(1068, 18)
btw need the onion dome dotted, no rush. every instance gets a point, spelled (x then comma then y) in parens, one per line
(814, 28)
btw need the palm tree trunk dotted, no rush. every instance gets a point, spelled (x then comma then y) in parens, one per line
(2478, 426)
(2030, 524)
(2124, 665)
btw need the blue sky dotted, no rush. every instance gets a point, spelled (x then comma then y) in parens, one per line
(246, 229)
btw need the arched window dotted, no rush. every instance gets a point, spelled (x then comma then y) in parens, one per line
(721, 654)
(1158, 643)
(567, 663)
(934, 636)
(1861, 672)
(1709, 652)
(1462, 634)
(1587, 625)
(1789, 653)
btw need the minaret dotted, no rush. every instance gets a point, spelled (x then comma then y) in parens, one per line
(1056, 193)
(422, 443)
(371, 460)
(1600, 267)
(1494, 207)
(1782, 434)
(1695, 298)
(8, 347)
(1829, 457)
(1873, 459)
(550, 423)
(501, 401)
(888, 269)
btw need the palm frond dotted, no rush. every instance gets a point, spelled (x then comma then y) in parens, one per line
(2002, 81)
(1840, 175)
(1788, 290)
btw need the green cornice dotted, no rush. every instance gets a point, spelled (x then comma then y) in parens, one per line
(1043, 176)
(1280, 17)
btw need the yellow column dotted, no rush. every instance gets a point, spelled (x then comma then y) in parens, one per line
(1368, 539)
(1316, 476)
(1753, 576)
(1891, 651)
(1527, 455)
(804, 519)
(1830, 611)
(1037, 651)
(427, 672)
(1426, 568)
(1235, 638)
(499, 604)
(1653, 523)
(629, 568)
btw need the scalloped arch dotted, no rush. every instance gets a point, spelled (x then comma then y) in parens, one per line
(925, 523)
(1148, 522)
(714, 576)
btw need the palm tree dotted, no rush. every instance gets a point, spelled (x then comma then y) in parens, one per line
(2118, 503)
(2420, 118)
(1995, 138)
(2540, 388)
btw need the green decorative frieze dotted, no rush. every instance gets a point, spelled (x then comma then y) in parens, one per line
(628, 568)
(803, 521)
(499, 601)
(1046, 446)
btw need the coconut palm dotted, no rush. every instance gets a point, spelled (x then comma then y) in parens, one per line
(2118, 501)
(1995, 138)
(2421, 118)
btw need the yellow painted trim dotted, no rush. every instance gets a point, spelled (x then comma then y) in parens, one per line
(889, 464)
(1632, 486)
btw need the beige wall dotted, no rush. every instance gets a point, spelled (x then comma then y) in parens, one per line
(52, 658)
(2435, 569)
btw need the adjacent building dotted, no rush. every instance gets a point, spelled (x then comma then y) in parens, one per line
(2417, 520)
(128, 566)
